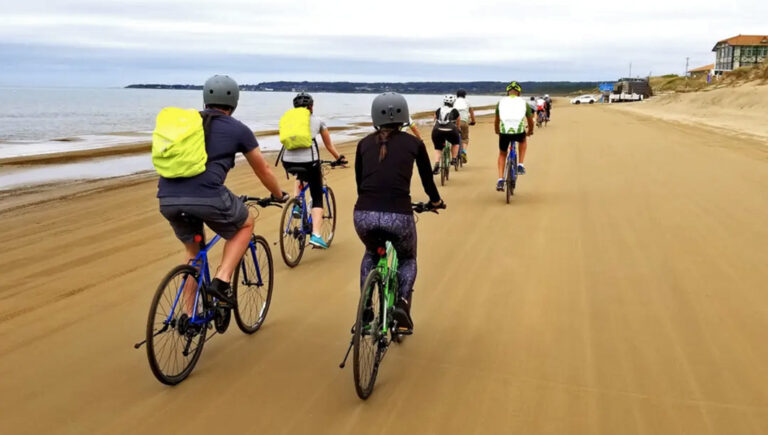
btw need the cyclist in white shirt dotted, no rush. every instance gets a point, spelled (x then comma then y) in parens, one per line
(467, 114)
(512, 115)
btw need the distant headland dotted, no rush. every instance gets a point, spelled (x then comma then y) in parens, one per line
(482, 88)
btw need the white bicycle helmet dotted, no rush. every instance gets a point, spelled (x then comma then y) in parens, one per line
(449, 99)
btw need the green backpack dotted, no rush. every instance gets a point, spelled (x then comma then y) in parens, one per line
(295, 129)
(178, 142)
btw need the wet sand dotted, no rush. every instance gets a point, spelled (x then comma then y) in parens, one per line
(622, 292)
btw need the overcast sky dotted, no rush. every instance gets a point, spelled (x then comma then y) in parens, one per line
(115, 43)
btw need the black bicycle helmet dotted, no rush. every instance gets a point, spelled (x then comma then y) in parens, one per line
(461, 93)
(303, 99)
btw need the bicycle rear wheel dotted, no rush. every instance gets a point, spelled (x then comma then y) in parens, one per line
(367, 339)
(328, 227)
(252, 284)
(173, 343)
(447, 165)
(292, 237)
(442, 174)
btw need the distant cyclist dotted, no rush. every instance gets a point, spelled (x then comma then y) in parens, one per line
(548, 106)
(383, 169)
(305, 164)
(541, 105)
(446, 129)
(188, 203)
(467, 114)
(532, 104)
(512, 113)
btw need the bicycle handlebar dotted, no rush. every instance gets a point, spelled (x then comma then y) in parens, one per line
(333, 163)
(262, 202)
(421, 207)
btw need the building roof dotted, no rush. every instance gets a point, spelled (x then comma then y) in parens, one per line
(704, 68)
(744, 40)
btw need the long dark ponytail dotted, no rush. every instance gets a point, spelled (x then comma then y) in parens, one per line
(383, 135)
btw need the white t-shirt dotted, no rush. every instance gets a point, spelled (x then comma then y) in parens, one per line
(311, 154)
(540, 103)
(462, 105)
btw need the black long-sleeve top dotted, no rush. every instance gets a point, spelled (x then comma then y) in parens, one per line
(386, 185)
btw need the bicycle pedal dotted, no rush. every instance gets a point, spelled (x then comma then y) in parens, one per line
(404, 332)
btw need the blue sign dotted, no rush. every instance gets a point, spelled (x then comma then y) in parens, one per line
(606, 87)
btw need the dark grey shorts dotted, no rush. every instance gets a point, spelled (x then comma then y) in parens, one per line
(224, 214)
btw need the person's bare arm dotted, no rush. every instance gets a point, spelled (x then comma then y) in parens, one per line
(471, 115)
(497, 124)
(415, 131)
(264, 172)
(326, 135)
(530, 124)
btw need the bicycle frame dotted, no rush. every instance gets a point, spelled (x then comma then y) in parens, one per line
(447, 152)
(305, 212)
(387, 269)
(511, 160)
(201, 263)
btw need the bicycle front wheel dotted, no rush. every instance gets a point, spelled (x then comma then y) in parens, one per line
(252, 284)
(328, 227)
(292, 236)
(174, 343)
(368, 336)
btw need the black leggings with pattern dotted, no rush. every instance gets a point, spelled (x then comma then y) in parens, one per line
(374, 229)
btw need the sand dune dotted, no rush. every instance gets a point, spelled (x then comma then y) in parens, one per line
(740, 109)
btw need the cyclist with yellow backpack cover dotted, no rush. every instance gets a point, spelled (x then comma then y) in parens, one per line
(193, 152)
(301, 156)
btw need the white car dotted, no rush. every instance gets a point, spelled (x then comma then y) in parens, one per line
(584, 99)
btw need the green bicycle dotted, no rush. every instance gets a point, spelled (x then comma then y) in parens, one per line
(375, 327)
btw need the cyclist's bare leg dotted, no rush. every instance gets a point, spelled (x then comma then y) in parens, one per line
(454, 151)
(234, 249)
(438, 153)
(521, 147)
(502, 162)
(317, 219)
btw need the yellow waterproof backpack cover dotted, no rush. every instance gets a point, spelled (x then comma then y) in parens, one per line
(178, 143)
(295, 130)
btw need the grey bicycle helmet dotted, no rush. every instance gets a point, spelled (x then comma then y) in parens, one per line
(303, 99)
(221, 90)
(389, 108)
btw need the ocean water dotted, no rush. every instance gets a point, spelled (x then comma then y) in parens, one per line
(36, 121)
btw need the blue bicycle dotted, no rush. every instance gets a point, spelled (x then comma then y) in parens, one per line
(182, 312)
(510, 171)
(296, 222)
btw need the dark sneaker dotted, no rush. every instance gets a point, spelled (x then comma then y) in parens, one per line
(454, 161)
(521, 169)
(500, 185)
(223, 292)
(436, 169)
(402, 314)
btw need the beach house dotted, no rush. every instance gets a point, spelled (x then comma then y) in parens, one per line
(701, 71)
(738, 51)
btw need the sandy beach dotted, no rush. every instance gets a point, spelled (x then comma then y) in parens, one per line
(621, 292)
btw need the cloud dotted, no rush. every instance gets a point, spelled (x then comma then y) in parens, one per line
(459, 39)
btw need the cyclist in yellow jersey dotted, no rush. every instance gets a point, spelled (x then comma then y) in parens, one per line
(512, 112)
